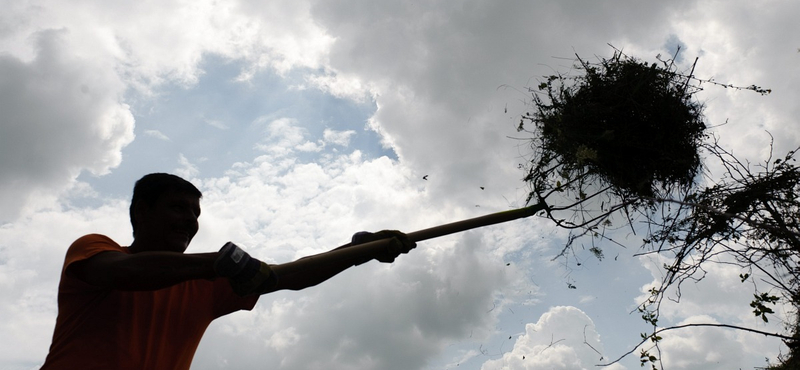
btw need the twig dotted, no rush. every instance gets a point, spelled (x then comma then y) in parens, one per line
(696, 325)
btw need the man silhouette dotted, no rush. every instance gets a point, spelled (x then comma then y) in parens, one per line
(147, 305)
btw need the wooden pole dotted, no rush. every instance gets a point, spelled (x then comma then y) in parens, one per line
(361, 251)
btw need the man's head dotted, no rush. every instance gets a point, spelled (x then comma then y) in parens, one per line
(160, 195)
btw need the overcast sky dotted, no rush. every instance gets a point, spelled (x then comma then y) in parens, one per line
(304, 121)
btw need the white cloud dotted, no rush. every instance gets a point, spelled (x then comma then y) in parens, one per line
(30, 264)
(711, 348)
(341, 85)
(371, 317)
(217, 123)
(720, 297)
(563, 338)
(382, 315)
(157, 134)
(283, 136)
(187, 169)
(341, 138)
(309, 146)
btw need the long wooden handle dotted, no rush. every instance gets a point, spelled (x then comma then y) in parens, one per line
(473, 223)
(361, 251)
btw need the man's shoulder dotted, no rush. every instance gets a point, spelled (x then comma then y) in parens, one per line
(89, 245)
(95, 241)
(95, 238)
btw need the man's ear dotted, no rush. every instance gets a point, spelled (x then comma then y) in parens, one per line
(140, 210)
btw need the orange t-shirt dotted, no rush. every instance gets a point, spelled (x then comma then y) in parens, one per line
(106, 329)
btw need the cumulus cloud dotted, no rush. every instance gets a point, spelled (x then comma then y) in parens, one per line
(461, 87)
(61, 115)
(30, 265)
(371, 317)
(187, 169)
(563, 338)
(385, 318)
(719, 297)
(63, 104)
(340, 138)
(732, 50)
(712, 348)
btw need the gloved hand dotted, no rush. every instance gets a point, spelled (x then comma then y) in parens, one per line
(398, 244)
(246, 274)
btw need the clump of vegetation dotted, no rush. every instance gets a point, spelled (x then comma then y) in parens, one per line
(623, 136)
(632, 125)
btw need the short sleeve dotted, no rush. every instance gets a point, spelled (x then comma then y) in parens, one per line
(88, 246)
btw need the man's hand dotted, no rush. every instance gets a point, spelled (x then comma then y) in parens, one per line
(399, 243)
(246, 274)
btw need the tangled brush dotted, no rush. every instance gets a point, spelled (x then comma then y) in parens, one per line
(635, 127)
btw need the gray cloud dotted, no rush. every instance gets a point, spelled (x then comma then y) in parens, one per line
(60, 116)
(460, 87)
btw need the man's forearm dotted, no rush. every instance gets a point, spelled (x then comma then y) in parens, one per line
(312, 270)
(293, 276)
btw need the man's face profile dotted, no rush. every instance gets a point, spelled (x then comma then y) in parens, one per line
(170, 223)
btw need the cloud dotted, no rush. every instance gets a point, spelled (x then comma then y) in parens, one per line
(186, 170)
(340, 138)
(712, 348)
(61, 115)
(733, 51)
(64, 99)
(30, 265)
(282, 137)
(719, 297)
(217, 124)
(563, 338)
(156, 134)
(371, 317)
(461, 86)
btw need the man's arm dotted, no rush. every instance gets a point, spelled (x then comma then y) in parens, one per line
(316, 269)
(144, 270)
(251, 276)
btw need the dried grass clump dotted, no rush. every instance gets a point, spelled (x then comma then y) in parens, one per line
(634, 126)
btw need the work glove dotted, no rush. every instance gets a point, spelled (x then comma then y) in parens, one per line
(399, 243)
(246, 274)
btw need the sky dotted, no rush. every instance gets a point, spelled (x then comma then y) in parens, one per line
(305, 121)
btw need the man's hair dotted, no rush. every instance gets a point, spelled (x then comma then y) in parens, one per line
(150, 187)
